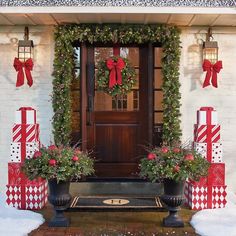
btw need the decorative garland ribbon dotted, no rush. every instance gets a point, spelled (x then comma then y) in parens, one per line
(212, 71)
(28, 65)
(115, 71)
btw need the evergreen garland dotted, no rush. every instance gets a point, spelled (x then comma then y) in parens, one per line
(65, 35)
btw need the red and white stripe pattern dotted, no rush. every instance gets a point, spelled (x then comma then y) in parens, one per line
(25, 133)
(207, 133)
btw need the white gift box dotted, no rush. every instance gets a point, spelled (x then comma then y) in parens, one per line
(207, 116)
(25, 115)
(22, 151)
(211, 151)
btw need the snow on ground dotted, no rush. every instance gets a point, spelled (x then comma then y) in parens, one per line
(15, 222)
(217, 222)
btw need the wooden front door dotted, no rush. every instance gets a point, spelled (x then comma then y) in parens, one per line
(117, 128)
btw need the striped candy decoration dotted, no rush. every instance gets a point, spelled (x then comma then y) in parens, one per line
(207, 133)
(25, 133)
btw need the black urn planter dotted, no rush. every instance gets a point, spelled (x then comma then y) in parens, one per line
(60, 198)
(173, 198)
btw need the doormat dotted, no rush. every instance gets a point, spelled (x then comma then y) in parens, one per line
(96, 203)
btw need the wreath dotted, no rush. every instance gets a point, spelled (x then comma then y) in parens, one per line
(115, 76)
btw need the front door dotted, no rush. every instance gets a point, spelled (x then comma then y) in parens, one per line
(117, 127)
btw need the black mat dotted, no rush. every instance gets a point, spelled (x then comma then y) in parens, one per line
(97, 203)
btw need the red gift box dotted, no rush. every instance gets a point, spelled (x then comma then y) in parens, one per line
(16, 177)
(25, 115)
(25, 133)
(32, 197)
(211, 151)
(206, 133)
(207, 116)
(205, 197)
(216, 176)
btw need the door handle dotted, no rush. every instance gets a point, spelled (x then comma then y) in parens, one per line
(90, 92)
(89, 110)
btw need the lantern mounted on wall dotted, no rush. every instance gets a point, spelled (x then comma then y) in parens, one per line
(210, 48)
(25, 47)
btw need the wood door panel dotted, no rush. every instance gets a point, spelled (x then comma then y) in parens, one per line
(116, 132)
(123, 117)
(114, 170)
(116, 143)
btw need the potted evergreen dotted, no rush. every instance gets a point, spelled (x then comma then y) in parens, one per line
(59, 165)
(172, 166)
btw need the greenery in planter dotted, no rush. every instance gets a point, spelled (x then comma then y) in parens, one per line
(177, 163)
(60, 163)
(66, 35)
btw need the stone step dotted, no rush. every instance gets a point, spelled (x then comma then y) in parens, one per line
(116, 188)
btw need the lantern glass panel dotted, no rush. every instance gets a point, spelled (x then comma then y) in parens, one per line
(27, 56)
(210, 54)
(21, 49)
(27, 49)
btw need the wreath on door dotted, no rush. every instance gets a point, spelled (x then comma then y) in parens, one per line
(115, 76)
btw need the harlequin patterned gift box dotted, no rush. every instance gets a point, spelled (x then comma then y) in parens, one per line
(29, 196)
(205, 197)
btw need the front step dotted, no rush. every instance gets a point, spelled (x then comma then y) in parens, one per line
(116, 188)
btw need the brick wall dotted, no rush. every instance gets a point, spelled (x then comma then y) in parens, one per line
(38, 96)
(223, 99)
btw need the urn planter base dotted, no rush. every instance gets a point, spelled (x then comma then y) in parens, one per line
(173, 220)
(173, 199)
(59, 220)
(60, 198)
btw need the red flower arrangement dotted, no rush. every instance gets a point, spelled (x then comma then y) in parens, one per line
(60, 163)
(177, 163)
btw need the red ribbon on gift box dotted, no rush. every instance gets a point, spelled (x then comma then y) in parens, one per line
(208, 111)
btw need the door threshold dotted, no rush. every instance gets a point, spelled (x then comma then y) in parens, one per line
(112, 179)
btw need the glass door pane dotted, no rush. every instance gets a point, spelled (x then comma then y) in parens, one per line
(128, 102)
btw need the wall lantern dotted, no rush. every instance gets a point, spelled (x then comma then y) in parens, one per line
(25, 47)
(210, 48)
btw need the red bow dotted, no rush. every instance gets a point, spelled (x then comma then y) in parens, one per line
(28, 65)
(115, 71)
(212, 71)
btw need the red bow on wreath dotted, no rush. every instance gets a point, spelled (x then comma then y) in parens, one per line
(115, 68)
(212, 71)
(28, 65)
